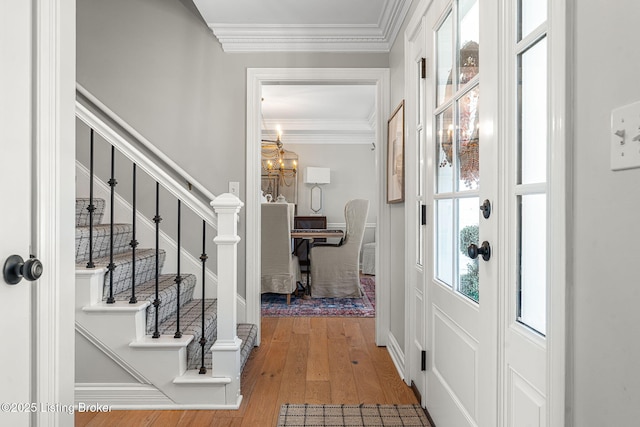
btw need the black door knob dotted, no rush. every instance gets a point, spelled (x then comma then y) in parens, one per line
(15, 268)
(484, 250)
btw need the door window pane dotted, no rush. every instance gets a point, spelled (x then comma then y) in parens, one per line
(532, 151)
(532, 283)
(444, 241)
(532, 13)
(468, 40)
(444, 149)
(468, 234)
(468, 140)
(444, 52)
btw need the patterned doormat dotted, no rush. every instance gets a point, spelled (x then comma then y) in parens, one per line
(275, 305)
(352, 415)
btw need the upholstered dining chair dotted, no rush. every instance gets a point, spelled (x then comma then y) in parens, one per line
(280, 269)
(335, 269)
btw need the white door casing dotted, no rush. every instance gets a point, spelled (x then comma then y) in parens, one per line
(416, 246)
(37, 139)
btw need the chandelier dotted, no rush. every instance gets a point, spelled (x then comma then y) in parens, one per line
(278, 162)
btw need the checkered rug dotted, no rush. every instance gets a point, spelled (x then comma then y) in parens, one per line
(275, 305)
(352, 415)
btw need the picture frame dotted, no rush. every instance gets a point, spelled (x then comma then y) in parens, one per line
(395, 156)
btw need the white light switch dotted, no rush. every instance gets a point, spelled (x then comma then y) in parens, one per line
(234, 188)
(625, 137)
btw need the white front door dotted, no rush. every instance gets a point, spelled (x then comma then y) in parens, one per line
(488, 186)
(16, 135)
(462, 289)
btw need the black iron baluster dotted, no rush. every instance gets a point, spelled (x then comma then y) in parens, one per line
(91, 208)
(134, 243)
(157, 219)
(111, 267)
(203, 258)
(178, 280)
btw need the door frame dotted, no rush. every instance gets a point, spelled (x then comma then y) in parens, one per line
(256, 77)
(560, 193)
(53, 304)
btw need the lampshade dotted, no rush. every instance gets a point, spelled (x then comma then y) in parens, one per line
(317, 175)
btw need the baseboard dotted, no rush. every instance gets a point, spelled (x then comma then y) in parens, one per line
(120, 395)
(396, 353)
(125, 396)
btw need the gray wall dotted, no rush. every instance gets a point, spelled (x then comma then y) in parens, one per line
(353, 176)
(157, 65)
(605, 223)
(397, 211)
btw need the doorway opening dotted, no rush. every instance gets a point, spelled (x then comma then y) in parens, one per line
(313, 79)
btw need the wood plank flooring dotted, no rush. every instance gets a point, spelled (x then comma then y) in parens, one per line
(300, 360)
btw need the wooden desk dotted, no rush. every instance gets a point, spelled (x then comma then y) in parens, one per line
(307, 235)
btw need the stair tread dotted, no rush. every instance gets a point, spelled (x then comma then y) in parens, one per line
(122, 236)
(147, 291)
(167, 292)
(123, 258)
(82, 214)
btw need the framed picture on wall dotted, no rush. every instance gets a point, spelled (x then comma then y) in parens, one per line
(395, 156)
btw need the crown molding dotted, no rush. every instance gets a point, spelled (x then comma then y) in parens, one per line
(256, 37)
(322, 138)
(288, 125)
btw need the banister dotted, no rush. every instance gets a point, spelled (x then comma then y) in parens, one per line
(97, 116)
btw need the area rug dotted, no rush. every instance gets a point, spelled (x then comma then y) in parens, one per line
(352, 415)
(275, 305)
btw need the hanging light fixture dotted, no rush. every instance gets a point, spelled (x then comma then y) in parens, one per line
(278, 162)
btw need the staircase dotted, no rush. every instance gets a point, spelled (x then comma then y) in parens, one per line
(175, 345)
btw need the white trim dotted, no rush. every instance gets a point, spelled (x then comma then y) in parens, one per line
(258, 37)
(288, 125)
(131, 396)
(54, 145)
(256, 77)
(323, 138)
(560, 194)
(397, 355)
(121, 395)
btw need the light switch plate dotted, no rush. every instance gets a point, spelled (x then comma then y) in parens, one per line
(625, 137)
(234, 188)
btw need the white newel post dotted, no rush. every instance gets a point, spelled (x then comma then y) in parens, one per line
(226, 349)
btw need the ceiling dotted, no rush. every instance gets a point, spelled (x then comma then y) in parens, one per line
(304, 25)
(319, 114)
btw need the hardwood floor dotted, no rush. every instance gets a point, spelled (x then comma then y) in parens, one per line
(300, 360)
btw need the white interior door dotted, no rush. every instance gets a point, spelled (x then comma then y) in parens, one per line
(462, 289)
(15, 193)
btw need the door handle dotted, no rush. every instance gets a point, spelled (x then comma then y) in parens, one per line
(484, 250)
(15, 268)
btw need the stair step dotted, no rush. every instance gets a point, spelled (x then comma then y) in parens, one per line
(82, 214)
(191, 323)
(145, 269)
(122, 235)
(167, 291)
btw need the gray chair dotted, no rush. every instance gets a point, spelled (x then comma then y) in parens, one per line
(280, 269)
(335, 269)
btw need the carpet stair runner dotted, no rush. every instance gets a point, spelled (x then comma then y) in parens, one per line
(145, 265)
